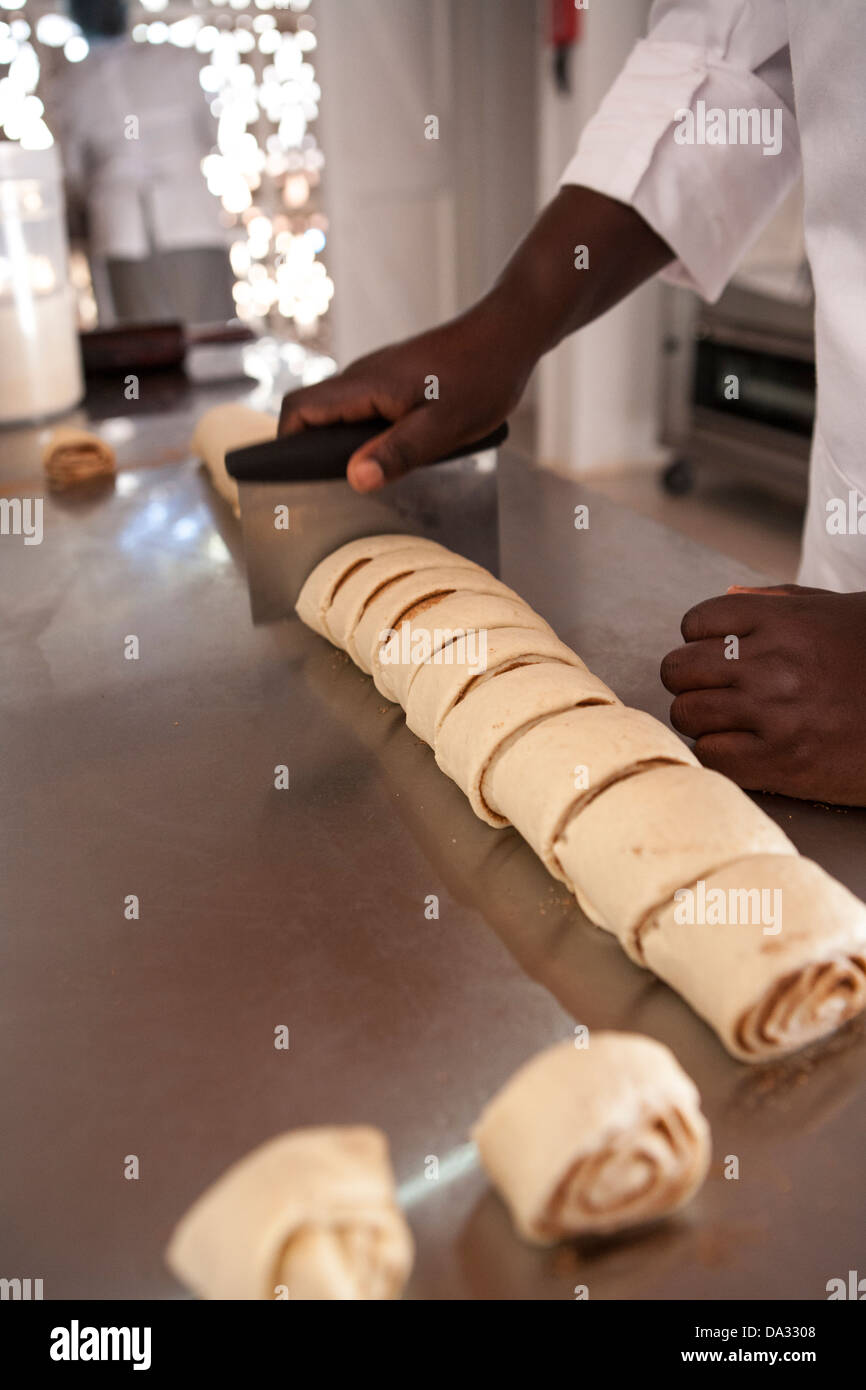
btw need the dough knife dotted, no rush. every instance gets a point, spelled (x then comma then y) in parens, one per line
(297, 507)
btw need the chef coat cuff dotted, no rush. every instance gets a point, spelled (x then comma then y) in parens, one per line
(707, 202)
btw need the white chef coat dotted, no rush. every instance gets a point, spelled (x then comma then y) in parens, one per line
(709, 202)
(146, 194)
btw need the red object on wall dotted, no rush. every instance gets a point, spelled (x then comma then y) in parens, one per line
(564, 26)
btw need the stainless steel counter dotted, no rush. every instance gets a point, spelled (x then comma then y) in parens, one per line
(305, 908)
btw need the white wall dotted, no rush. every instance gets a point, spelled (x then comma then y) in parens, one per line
(598, 391)
(420, 227)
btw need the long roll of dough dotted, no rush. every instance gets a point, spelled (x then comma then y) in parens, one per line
(589, 789)
(446, 627)
(324, 583)
(498, 709)
(312, 1212)
(227, 427)
(631, 847)
(438, 686)
(765, 992)
(538, 780)
(596, 1139)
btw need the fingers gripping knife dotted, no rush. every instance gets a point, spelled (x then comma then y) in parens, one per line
(297, 507)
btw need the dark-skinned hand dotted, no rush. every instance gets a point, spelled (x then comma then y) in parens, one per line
(788, 714)
(450, 386)
(479, 374)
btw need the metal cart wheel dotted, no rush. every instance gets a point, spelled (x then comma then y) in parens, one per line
(678, 478)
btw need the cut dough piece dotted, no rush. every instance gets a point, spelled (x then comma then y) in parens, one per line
(72, 457)
(386, 609)
(596, 1139)
(313, 1210)
(360, 586)
(337, 570)
(497, 709)
(537, 780)
(640, 840)
(765, 994)
(439, 686)
(468, 617)
(227, 427)
(332, 573)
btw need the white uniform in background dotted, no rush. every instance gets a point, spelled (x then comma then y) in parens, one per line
(133, 126)
(710, 201)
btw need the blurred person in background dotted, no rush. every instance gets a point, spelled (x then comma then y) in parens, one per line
(133, 127)
(646, 196)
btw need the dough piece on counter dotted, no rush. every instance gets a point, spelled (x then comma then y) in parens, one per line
(765, 994)
(631, 847)
(467, 616)
(593, 1140)
(439, 686)
(227, 427)
(540, 778)
(338, 569)
(386, 609)
(313, 1211)
(366, 579)
(499, 708)
(72, 457)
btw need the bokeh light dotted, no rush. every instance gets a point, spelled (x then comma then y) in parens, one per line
(260, 84)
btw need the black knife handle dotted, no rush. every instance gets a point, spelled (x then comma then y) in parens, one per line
(321, 453)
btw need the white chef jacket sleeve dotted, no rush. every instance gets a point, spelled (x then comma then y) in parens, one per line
(709, 202)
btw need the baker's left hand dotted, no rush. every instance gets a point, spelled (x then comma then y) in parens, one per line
(771, 683)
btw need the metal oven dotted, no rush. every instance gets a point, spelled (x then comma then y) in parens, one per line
(738, 388)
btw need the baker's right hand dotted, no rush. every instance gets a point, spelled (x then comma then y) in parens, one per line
(442, 389)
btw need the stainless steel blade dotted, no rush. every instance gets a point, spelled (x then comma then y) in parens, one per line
(455, 502)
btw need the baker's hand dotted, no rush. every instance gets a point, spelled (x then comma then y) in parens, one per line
(450, 386)
(781, 708)
(443, 389)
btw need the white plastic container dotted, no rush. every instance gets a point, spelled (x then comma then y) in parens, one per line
(40, 359)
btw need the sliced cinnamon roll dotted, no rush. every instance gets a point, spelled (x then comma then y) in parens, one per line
(336, 570)
(387, 608)
(444, 628)
(597, 1139)
(310, 1215)
(770, 950)
(629, 848)
(439, 686)
(544, 774)
(368, 578)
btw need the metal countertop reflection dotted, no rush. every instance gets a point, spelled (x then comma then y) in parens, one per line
(306, 908)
